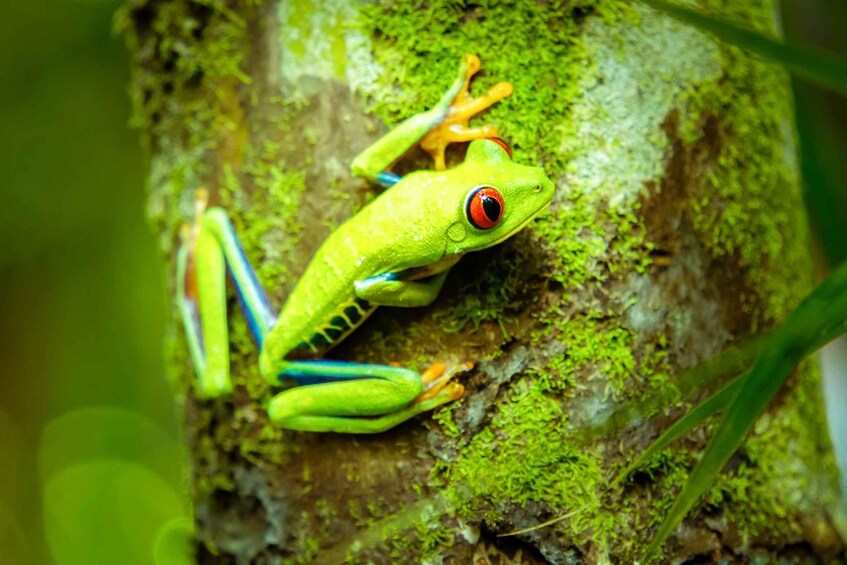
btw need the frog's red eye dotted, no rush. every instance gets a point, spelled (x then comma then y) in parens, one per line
(502, 144)
(484, 207)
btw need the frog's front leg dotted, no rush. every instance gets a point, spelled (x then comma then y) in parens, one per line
(359, 398)
(409, 288)
(387, 290)
(445, 123)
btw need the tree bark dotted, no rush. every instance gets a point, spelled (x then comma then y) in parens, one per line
(677, 230)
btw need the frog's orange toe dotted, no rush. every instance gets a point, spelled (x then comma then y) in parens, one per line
(433, 373)
(435, 379)
(472, 63)
(454, 390)
(500, 90)
(454, 127)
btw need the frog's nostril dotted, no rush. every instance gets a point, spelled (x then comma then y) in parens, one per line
(537, 188)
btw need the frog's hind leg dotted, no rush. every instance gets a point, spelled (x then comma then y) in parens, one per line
(254, 300)
(201, 296)
(209, 249)
(353, 397)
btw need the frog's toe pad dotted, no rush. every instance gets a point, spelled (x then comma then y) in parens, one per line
(453, 391)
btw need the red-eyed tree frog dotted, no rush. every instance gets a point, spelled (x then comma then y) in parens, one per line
(395, 252)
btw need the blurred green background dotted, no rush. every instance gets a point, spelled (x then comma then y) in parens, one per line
(821, 118)
(90, 466)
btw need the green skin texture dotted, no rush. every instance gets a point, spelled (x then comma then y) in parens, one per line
(394, 252)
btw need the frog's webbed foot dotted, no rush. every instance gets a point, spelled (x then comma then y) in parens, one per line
(454, 127)
(434, 129)
(437, 382)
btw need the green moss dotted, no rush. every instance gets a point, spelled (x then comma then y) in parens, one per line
(354, 509)
(608, 349)
(419, 45)
(326, 513)
(315, 34)
(432, 537)
(486, 298)
(186, 76)
(425, 543)
(308, 549)
(444, 417)
(265, 217)
(656, 372)
(577, 241)
(592, 241)
(186, 55)
(597, 347)
(750, 207)
(667, 470)
(549, 470)
(400, 545)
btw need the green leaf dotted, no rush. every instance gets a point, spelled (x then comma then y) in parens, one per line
(820, 318)
(707, 375)
(813, 64)
(822, 146)
(697, 415)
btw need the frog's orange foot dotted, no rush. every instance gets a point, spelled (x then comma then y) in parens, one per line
(436, 378)
(454, 127)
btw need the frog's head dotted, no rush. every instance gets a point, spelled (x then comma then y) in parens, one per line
(501, 198)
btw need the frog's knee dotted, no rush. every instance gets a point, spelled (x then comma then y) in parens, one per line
(214, 384)
(281, 409)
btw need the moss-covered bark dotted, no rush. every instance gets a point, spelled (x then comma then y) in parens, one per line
(677, 229)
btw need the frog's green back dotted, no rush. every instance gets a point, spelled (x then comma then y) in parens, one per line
(323, 308)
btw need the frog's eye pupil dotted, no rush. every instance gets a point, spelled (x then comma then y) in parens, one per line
(484, 207)
(491, 207)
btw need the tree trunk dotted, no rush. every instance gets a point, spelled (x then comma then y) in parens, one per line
(677, 229)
